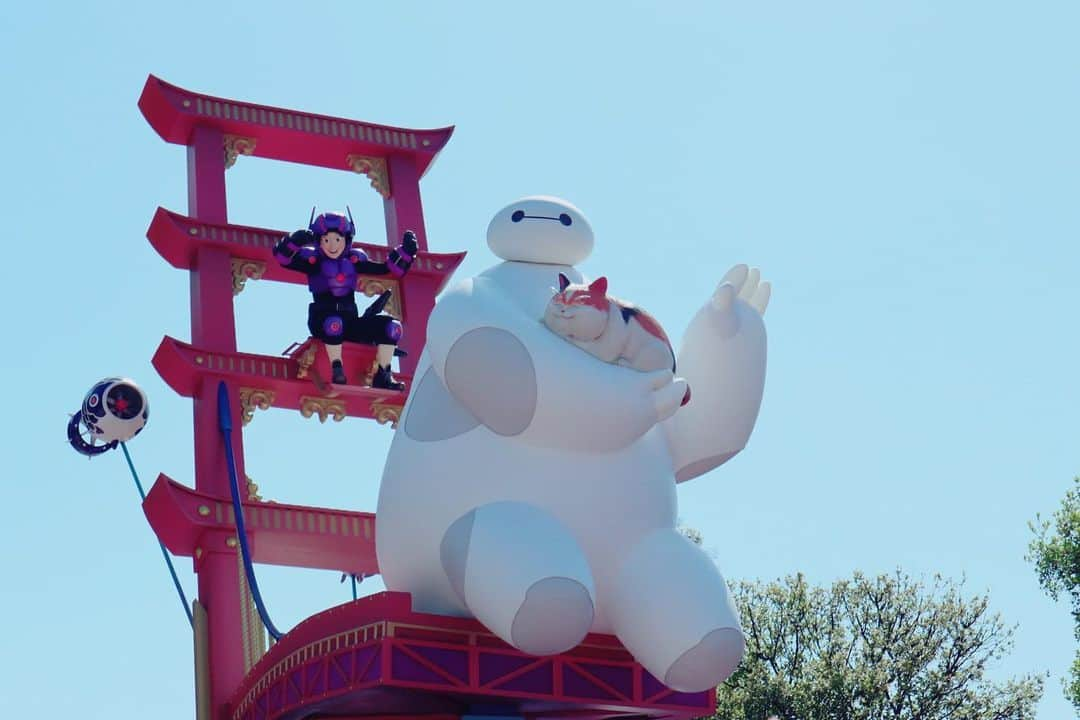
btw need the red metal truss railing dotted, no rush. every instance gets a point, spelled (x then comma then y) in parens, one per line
(349, 657)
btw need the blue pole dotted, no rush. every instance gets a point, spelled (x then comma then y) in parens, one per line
(225, 424)
(164, 552)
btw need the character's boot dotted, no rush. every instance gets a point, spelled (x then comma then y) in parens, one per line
(385, 381)
(338, 373)
(380, 302)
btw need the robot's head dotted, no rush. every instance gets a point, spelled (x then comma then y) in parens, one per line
(540, 229)
(331, 221)
(115, 409)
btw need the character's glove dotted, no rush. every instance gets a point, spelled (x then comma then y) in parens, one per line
(301, 238)
(400, 259)
(290, 244)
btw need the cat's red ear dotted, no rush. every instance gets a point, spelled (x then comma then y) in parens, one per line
(564, 282)
(599, 286)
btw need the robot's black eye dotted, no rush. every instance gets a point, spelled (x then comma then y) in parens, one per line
(565, 219)
(517, 216)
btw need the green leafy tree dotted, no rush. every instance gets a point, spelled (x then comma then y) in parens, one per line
(692, 534)
(1056, 554)
(871, 648)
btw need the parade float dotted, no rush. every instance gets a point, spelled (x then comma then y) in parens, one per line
(526, 517)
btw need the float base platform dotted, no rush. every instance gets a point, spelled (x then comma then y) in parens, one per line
(376, 657)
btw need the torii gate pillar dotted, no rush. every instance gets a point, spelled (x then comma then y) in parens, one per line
(404, 211)
(213, 326)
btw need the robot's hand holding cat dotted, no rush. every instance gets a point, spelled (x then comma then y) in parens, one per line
(667, 392)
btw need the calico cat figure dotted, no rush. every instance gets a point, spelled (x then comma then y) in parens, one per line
(608, 328)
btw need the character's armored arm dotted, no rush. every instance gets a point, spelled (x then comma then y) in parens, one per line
(294, 252)
(398, 262)
(521, 380)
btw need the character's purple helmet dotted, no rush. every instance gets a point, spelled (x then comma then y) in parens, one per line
(330, 221)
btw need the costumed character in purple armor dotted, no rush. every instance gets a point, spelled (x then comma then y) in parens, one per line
(325, 254)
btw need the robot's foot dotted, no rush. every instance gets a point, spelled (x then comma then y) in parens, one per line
(708, 663)
(338, 373)
(555, 617)
(385, 381)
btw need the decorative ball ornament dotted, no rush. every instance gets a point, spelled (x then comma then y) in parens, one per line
(113, 411)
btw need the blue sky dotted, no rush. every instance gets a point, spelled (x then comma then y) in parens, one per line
(904, 173)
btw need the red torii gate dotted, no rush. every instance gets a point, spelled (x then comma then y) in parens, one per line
(374, 657)
(219, 257)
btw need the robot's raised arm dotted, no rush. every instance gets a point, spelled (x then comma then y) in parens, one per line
(723, 356)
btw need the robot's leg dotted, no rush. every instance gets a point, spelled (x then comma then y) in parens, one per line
(670, 607)
(522, 574)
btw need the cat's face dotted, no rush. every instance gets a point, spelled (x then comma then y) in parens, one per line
(579, 312)
(540, 229)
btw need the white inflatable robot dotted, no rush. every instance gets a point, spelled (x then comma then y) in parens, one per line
(532, 486)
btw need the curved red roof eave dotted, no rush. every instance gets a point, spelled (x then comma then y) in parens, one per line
(282, 134)
(177, 237)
